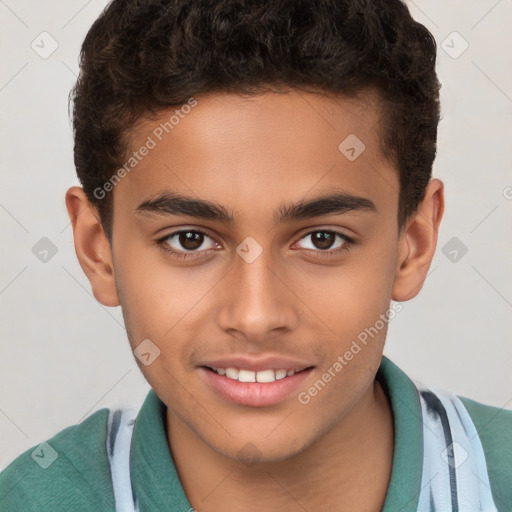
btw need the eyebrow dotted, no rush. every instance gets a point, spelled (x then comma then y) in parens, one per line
(170, 203)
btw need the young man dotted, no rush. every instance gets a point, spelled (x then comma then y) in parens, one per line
(257, 197)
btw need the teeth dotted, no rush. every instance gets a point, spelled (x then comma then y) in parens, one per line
(250, 376)
(246, 376)
(281, 374)
(232, 373)
(266, 376)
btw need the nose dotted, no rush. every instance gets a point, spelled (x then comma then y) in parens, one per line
(257, 302)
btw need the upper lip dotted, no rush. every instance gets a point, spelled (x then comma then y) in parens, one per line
(257, 364)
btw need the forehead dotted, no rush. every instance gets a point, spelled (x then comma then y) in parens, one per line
(272, 146)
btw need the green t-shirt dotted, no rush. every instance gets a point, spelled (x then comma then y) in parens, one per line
(71, 471)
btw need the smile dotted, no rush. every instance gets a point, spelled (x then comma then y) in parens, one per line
(252, 376)
(253, 388)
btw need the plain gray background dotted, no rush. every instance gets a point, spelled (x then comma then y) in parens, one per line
(64, 355)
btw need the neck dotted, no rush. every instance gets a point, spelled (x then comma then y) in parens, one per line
(357, 454)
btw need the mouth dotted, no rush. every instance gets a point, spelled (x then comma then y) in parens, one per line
(262, 376)
(254, 388)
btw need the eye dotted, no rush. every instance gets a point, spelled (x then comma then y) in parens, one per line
(324, 241)
(185, 243)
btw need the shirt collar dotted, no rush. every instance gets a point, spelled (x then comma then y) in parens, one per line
(157, 486)
(405, 483)
(154, 477)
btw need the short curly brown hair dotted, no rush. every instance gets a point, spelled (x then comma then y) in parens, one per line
(143, 56)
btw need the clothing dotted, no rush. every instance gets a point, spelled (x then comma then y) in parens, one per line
(123, 456)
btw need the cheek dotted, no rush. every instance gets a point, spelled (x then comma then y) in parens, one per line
(154, 296)
(355, 296)
(162, 304)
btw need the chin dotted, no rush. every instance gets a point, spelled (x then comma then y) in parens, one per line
(252, 451)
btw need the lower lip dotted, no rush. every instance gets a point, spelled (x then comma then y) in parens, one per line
(254, 394)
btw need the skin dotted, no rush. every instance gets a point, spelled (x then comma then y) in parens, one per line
(253, 155)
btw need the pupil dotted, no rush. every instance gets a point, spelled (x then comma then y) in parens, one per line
(323, 240)
(190, 240)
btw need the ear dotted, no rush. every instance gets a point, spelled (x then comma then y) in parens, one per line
(417, 243)
(92, 246)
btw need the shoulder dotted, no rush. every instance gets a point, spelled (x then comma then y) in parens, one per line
(70, 471)
(494, 427)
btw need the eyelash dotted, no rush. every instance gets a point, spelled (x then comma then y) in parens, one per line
(161, 242)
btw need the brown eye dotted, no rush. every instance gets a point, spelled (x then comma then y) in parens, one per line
(187, 241)
(190, 240)
(324, 240)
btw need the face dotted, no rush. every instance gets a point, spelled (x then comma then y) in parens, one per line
(258, 234)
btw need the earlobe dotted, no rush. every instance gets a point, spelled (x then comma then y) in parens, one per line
(92, 247)
(417, 243)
